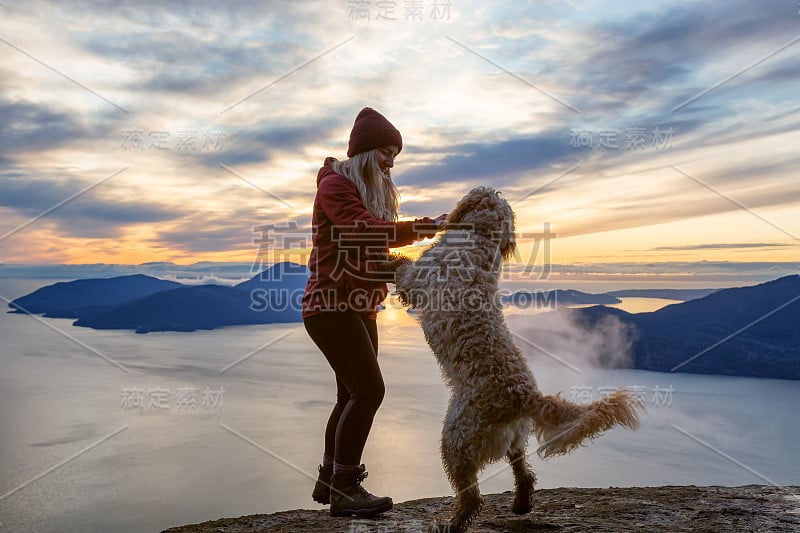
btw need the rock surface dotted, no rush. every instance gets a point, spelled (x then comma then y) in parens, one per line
(639, 509)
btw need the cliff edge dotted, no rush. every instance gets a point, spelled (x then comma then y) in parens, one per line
(690, 508)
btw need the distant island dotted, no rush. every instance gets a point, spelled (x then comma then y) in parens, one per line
(748, 331)
(72, 299)
(146, 304)
(525, 298)
(667, 294)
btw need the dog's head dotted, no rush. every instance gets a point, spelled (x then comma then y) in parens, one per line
(486, 213)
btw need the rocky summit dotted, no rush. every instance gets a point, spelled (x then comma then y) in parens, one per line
(640, 509)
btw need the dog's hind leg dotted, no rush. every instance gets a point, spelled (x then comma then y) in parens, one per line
(524, 481)
(462, 470)
(464, 478)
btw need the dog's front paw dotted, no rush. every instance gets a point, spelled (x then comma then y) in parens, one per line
(393, 262)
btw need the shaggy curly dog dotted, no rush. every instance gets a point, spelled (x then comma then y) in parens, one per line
(495, 403)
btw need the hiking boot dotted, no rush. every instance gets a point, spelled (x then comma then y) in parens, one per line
(322, 489)
(348, 497)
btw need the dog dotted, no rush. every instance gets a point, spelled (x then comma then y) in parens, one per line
(495, 403)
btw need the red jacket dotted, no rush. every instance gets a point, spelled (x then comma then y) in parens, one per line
(347, 244)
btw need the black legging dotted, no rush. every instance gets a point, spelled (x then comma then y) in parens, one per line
(350, 344)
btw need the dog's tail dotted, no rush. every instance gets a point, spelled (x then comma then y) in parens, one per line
(561, 426)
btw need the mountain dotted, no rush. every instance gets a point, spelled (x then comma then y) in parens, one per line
(667, 294)
(747, 331)
(77, 298)
(144, 303)
(286, 276)
(189, 309)
(271, 296)
(158, 263)
(556, 296)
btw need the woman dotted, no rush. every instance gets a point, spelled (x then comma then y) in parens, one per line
(354, 223)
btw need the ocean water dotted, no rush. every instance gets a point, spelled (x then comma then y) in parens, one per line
(78, 454)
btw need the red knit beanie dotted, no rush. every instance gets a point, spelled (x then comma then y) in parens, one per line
(372, 130)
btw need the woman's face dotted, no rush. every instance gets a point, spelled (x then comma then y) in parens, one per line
(385, 157)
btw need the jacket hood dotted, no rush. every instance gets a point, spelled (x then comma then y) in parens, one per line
(326, 170)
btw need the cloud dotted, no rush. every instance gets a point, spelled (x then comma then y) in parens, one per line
(699, 269)
(261, 142)
(467, 121)
(429, 208)
(786, 71)
(32, 127)
(496, 163)
(559, 337)
(87, 215)
(174, 61)
(656, 58)
(718, 246)
(235, 230)
(191, 237)
(683, 273)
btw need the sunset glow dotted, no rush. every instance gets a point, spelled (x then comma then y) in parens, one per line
(656, 134)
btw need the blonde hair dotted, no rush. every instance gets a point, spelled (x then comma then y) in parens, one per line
(376, 188)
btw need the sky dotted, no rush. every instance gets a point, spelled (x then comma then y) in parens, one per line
(661, 133)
